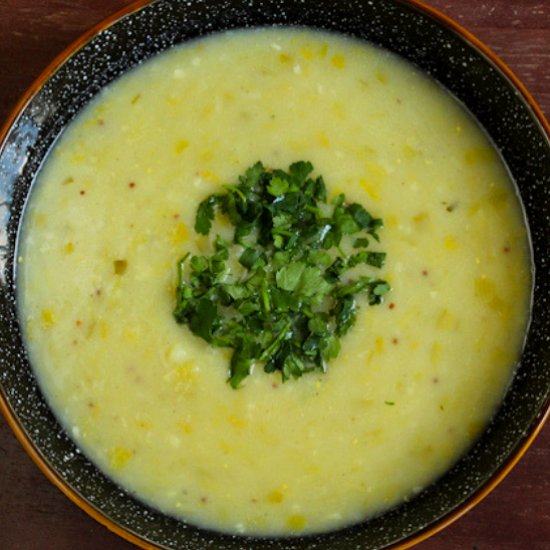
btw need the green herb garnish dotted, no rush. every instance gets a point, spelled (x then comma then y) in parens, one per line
(279, 294)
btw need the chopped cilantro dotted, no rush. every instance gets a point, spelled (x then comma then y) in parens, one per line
(283, 303)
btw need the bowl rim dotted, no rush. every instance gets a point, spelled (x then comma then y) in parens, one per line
(125, 533)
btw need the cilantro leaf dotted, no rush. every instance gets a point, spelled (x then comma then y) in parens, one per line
(205, 214)
(278, 186)
(204, 321)
(288, 277)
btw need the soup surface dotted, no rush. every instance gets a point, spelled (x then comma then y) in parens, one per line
(418, 377)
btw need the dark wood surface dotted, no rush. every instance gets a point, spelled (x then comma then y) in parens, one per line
(34, 515)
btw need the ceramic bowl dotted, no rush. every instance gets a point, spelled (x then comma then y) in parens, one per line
(437, 45)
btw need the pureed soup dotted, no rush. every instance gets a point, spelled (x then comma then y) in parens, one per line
(418, 377)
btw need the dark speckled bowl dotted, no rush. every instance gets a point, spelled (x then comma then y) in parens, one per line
(417, 33)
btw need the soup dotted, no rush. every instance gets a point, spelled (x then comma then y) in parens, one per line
(418, 377)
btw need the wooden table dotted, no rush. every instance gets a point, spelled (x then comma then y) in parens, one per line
(34, 515)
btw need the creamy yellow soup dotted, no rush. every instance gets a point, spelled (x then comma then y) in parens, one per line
(418, 377)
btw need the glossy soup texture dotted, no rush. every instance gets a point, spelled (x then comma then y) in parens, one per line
(418, 377)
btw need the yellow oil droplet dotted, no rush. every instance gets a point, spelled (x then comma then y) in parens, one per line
(207, 156)
(392, 220)
(484, 288)
(180, 233)
(184, 371)
(376, 170)
(185, 377)
(450, 243)
(47, 318)
(181, 146)
(446, 320)
(420, 217)
(296, 522)
(130, 334)
(435, 353)
(210, 175)
(40, 220)
(498, 198)
(409, 151)
(103, 329)
(479, 155)
(172, 100)
(285, 58)
(69, 248)
(323, 140)
(381, 76)
(369, 188)
(227, 449)
(185, 427)
(338, 61)
(119, 457)
(78, 158)
(307, 53)
(276, 497)
(237, 422)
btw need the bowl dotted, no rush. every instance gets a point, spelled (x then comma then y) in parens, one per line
(406, 27)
